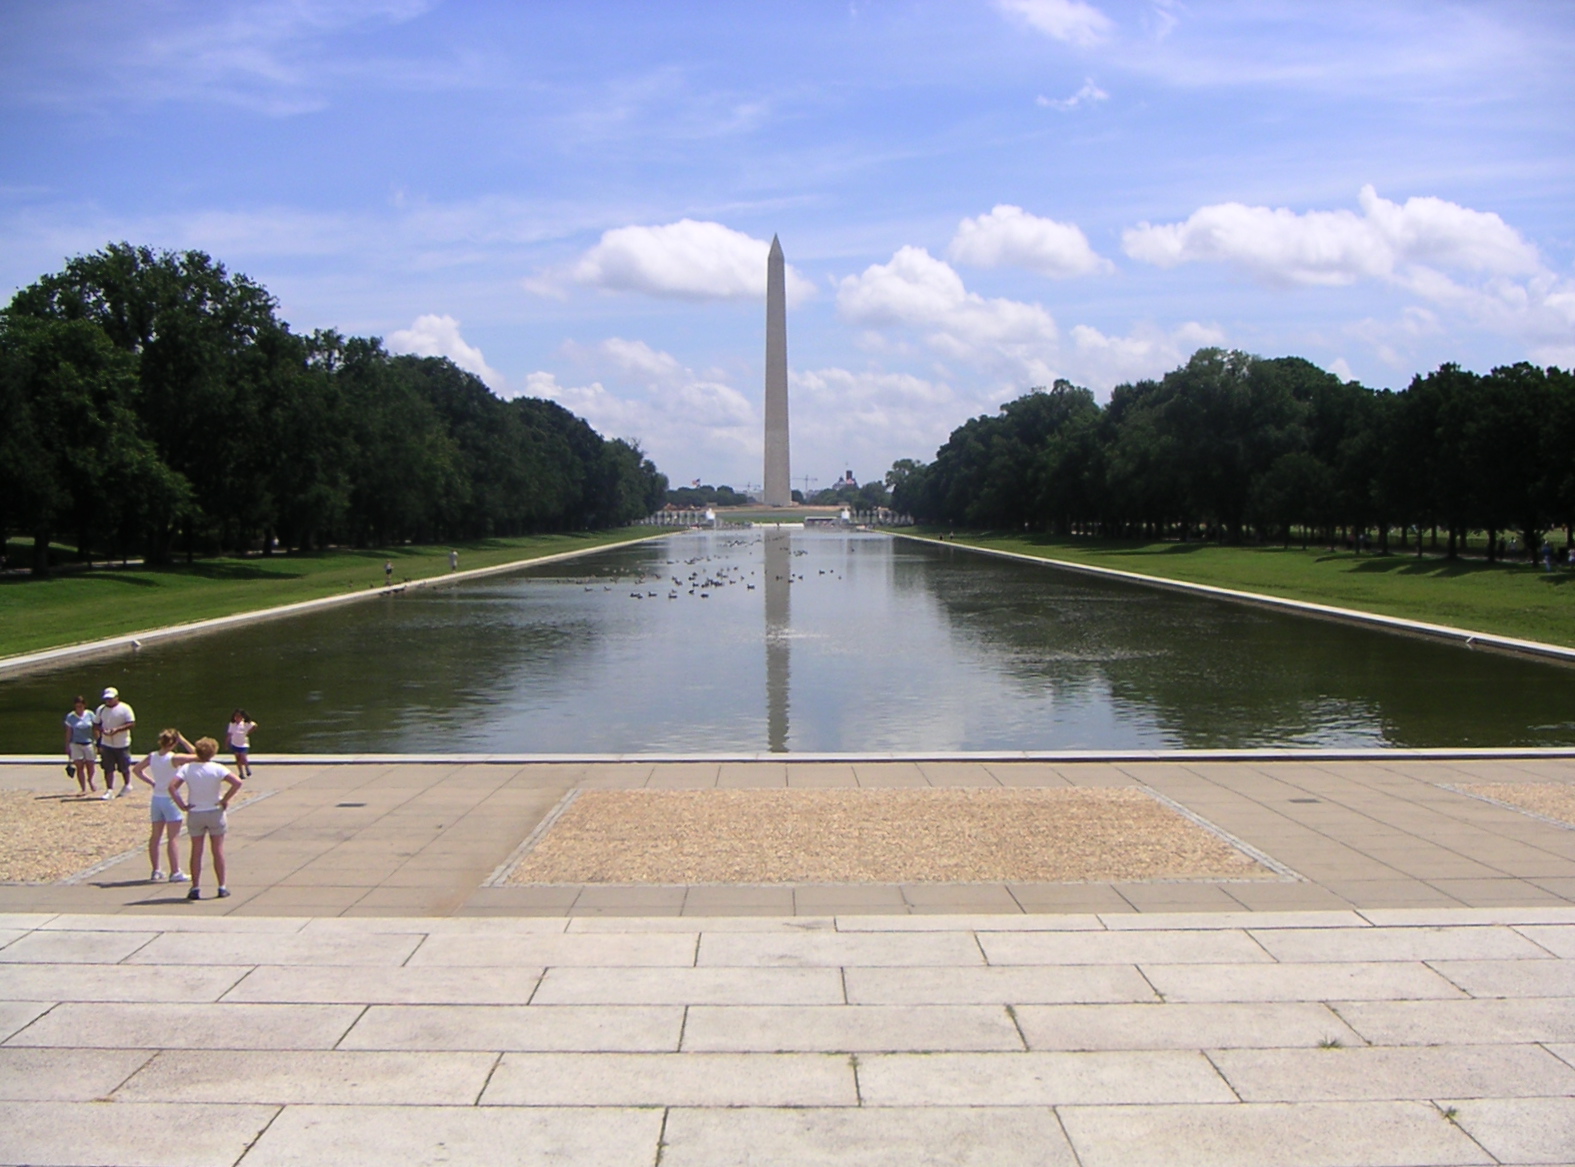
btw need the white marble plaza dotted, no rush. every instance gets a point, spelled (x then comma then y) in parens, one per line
(1401, 1036)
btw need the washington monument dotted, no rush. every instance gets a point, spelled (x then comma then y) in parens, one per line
(779, 490)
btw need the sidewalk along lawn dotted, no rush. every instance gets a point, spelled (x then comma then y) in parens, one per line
(1510, 599)
(82, 606)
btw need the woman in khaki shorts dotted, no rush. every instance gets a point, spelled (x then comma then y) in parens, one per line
(203, 790)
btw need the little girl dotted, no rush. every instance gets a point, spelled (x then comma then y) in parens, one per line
(162, 809)
(239, 734)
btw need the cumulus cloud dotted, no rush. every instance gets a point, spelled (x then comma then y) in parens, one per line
(916, 290)
(1072, 21)
(1338, 247)
(687, 260)
(438, 336)
(1102, 361)
(1464, 261)
(691, 423)
(1088, 94)
(1011, 237)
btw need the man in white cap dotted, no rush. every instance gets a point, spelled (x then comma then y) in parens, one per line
(115, 721)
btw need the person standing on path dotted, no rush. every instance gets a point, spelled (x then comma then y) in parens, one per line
(453, 560)
(162, 811)
(239, 735)
(208, 788)
(80, 725)
(388, 573)
(115, 722)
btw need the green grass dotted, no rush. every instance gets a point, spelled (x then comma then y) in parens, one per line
(1510, 599)
(79, 606)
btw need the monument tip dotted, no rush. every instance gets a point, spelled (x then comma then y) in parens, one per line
(776, 245)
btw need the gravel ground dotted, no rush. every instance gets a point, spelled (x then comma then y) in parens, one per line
(875, 836)
(1554, 799)
(47, 837)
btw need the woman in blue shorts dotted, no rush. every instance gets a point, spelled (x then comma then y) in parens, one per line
(158, 771)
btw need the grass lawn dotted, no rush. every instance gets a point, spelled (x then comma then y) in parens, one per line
(90, 605)
(1513, 599)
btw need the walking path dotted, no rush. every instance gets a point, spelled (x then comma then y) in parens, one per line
(404, 838)
(1305, 1038)
(1407, 996)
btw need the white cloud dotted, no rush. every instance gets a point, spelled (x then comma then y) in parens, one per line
(916, 290)
(438, 336)
(1414, 245)
(687, 260)
(1088, 94)
(1338, 247)
(1102, 361)
(690, 423)
(1072, 21)
(1010, 237)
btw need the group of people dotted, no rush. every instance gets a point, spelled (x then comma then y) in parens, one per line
(187, 784)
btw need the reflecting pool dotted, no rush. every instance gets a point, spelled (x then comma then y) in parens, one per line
(787, 640)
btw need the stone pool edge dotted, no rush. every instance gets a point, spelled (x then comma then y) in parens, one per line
(1398, 624)
(25, 662)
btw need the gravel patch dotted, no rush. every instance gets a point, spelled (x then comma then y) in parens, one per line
(1554, 800)
(47, 837)
(875, 836)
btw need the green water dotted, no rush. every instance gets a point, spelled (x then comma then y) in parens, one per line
(816, 641)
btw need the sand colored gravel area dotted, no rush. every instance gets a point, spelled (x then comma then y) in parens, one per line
(875, 836)
(48, 837)
(1556, 800)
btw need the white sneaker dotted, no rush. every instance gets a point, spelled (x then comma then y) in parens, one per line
(156, 877)
(179, 877)
(108, 794)
(124, 790)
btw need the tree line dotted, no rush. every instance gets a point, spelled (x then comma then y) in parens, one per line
(154, 404)
(1235, 446)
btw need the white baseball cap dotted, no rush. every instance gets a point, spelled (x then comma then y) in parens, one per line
(111, 693)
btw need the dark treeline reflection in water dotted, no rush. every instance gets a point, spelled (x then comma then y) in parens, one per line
(779, 639)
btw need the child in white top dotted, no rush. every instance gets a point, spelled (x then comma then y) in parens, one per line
(239, 734)
(158, 771)
(208, 788)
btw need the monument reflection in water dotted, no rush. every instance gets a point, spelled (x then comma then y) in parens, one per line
(779, 627)
(894, 646)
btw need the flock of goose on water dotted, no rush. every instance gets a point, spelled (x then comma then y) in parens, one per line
(702, 581)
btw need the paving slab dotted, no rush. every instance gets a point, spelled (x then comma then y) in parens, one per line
(1543, 1019)
(1381, 981)
(1510, 978)
(79, 947)
(850, 1028)
(338, 1077)
(117, 982)
(1558, 939)
(170, 1026)
(691, 986)
(1040, 1079)
(1379, 1072)
(1202, 947)
(1015, 985)
(870, 1137)
(376, 1136)
(65, 1075)
(17, 1015)
(1312, 1134)
(568, 1028)
(70, 1134)
(546, 950)
(679, 1079)
(835, 949)
(207, 948)
(1181, 1026)
(1375, 944)
(971, 922)
(343, 984)
(1521, 1130)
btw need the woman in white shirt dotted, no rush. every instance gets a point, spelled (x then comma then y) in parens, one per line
(208, 789)
(158, 771)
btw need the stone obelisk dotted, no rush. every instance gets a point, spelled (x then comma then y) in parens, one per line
(779, 487)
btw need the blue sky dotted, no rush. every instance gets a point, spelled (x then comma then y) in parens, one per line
(974, 197)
